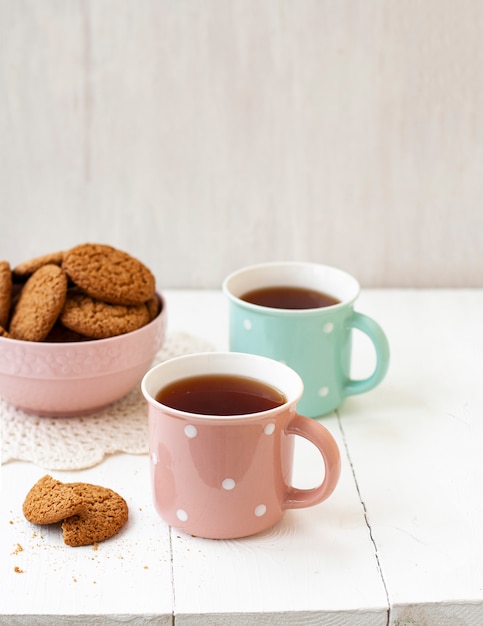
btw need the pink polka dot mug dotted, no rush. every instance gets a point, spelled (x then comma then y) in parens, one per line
(224, 476)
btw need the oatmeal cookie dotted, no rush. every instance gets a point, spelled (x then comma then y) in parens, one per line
(153, 307)
(39, 305)
(105, 512)
(99, 320)
(51, 501)
(61, 334)
(27, 268)
(89, 513)
(5, 292)
(108, 274)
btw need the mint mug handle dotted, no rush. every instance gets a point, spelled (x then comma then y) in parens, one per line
(375, 333)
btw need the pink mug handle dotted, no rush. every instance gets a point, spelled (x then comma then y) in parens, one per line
(325, 443)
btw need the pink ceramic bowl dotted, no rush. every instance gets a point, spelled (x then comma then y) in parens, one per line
(74, 378)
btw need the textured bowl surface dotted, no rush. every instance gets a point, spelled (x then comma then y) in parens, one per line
(74, 378)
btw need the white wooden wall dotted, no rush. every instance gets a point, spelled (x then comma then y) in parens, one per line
(202, 135)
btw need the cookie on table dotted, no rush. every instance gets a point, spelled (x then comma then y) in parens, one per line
(51, 501)
(99, 320)
(89, 513)
(40, 303)
(105, 513)
(108, 274)
(27, 268)
(5, 292)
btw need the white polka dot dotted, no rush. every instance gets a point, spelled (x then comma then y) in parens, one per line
(228, 484)
(269, 429)
(247, 325)
(323, 391)
(328, 327)
(182, 515)
(154, 458)
(190, 431)
(260, 510)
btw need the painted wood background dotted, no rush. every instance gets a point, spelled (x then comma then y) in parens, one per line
(202, 135)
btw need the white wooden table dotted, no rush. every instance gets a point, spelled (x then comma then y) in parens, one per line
(400, 541)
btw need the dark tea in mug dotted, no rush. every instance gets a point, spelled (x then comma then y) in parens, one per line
(285, 297)
(220, 394)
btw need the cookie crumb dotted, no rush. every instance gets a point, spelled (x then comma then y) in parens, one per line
(17, 570)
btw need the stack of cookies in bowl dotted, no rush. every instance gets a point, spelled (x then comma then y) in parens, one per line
(93, 290)
(78, 329)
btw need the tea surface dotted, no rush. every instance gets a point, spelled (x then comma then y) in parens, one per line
(220, 394)
(285, 297)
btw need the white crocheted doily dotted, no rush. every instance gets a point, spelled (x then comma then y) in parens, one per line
(79, 442)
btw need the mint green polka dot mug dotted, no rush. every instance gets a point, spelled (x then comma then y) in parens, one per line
(315, 341)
